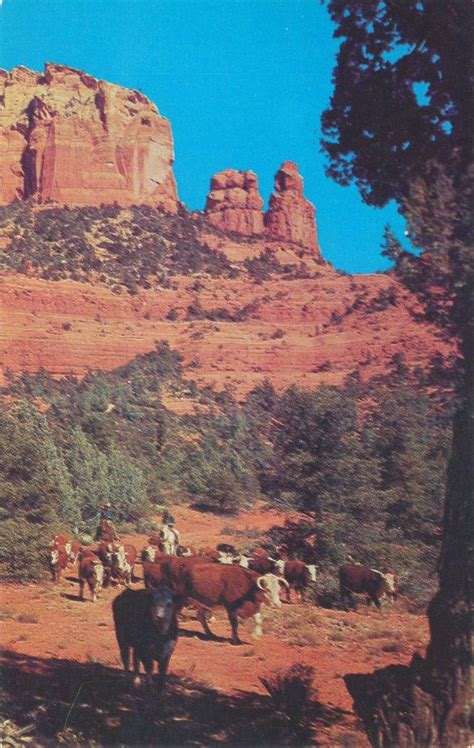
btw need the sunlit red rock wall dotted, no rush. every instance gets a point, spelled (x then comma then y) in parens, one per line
(68, 137)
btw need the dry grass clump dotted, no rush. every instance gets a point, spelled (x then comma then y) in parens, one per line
(11, 615)
(291, 691)
(27, 618)
(378, 630)
(14, 736)
(395, 646)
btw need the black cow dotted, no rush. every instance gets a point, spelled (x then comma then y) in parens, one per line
(146, 621)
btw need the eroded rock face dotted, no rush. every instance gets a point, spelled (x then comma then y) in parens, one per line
(68, 137)
(290, 216)
(234, 202)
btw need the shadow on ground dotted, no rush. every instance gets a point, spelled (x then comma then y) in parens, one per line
(94, 704)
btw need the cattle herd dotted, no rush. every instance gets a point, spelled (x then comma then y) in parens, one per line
(146, 620)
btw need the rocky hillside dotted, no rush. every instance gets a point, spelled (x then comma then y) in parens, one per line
(239, 310)
(244, 295)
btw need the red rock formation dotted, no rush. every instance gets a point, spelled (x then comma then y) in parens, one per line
(290, 216)
(68, 137)
(234, 203)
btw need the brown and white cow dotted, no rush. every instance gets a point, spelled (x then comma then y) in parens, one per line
(104, 553)
(58, 562)
(166, 567)
(70, 547)
(206, 585)
(240, 591)
(123, 560)
(151, 553)
(392, 583)
(91, 572)
(362, 580)
(209, 552)
(262, 563)
(186, 550)
(298, 575)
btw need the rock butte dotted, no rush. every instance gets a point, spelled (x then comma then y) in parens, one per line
(70, 138)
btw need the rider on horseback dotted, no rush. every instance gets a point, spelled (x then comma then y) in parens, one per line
(170, 524)
(106, 529)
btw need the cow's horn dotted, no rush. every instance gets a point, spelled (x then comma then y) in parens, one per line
(282, 580)
(259, 585)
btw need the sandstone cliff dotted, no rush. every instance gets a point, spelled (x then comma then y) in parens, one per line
(68, 137)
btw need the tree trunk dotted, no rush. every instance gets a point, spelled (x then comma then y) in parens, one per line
(428, 702)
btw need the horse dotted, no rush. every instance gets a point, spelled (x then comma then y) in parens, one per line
(106, 531)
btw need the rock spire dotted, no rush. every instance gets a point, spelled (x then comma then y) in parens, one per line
(234, 202)
(290, 216)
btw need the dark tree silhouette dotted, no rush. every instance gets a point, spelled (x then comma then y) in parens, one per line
(400, 126)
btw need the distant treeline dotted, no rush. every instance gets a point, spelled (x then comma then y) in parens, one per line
(365, 463)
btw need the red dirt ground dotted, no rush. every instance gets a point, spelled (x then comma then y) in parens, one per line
(48, 621)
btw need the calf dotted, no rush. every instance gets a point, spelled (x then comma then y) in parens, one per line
(57, 562)
(362, 580)
(123, 560)
(298, 575)
(146, 622)
(262, 564)
(210, 553)
(151, 553)
(186, 550)
(91, 572)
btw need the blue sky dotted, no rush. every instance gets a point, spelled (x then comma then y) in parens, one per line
(243, 82)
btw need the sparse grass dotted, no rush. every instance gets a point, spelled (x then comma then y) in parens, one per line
(299, 626)
(378, 630)
(27, 618)
(11, 615)
(304, 635)
(136, 248)
(7, 615)
(337, 636)
(395, 646)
